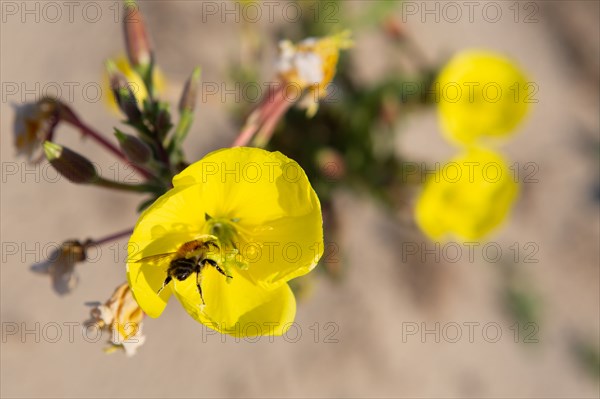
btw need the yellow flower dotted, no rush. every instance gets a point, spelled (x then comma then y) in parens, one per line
(245, 213)
(135, 83)
(482, 95)
(122, 317)
(467, 198)
(311, 64)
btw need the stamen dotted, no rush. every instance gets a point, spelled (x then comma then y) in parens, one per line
(229, 238)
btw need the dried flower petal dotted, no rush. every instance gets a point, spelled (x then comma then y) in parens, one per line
(122, 317)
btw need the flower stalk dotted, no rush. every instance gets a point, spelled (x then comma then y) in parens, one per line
(87, 131)
(109, 238)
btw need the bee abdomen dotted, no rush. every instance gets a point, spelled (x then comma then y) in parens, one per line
(182, 268)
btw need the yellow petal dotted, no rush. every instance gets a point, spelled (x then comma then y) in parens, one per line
(482, 95)
(145, 282)
(288, 248)
(239, 308)
(250, 183)
(161, 229)
(469, 197)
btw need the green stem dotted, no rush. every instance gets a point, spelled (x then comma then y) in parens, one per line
(182, 128)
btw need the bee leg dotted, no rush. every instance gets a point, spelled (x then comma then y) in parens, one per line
(199, 287)
(211, 244)
(167, 281)
(216, 266)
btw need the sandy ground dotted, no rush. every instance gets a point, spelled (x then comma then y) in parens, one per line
(354, 340)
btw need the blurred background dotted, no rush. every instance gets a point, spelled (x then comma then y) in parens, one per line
(376, 319)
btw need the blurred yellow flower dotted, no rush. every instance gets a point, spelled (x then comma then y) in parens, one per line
(482, 95)
(467, 198)
(135, 83)
(122, 317)
(311, 64)
(250, 221)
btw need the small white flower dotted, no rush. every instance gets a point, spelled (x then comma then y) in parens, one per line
(304, 63)
(309, 67)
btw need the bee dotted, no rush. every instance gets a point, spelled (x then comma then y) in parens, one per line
(191, 257)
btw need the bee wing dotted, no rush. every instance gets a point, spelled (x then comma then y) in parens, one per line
(154, 258)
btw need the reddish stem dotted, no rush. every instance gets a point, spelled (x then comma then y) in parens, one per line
(246, 134)
(88, 131)
(268, 108)
(111, 238)
(264, 135)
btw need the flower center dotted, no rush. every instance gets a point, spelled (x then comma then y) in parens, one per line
(226, 231)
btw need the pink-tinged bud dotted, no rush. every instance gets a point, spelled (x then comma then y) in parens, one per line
(70, 164)
(137, 42)
(190, 92)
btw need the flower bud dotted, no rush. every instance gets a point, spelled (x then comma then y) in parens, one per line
(394, 29)
(135, 149)
(163, 121)
(331, 164)
(69, 164)
(190, 92)
(124, 96)
(390, 109)
(137, 43)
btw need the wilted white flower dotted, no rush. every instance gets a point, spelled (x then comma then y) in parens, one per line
(311, 64)
(122, 317)
(32, 125)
